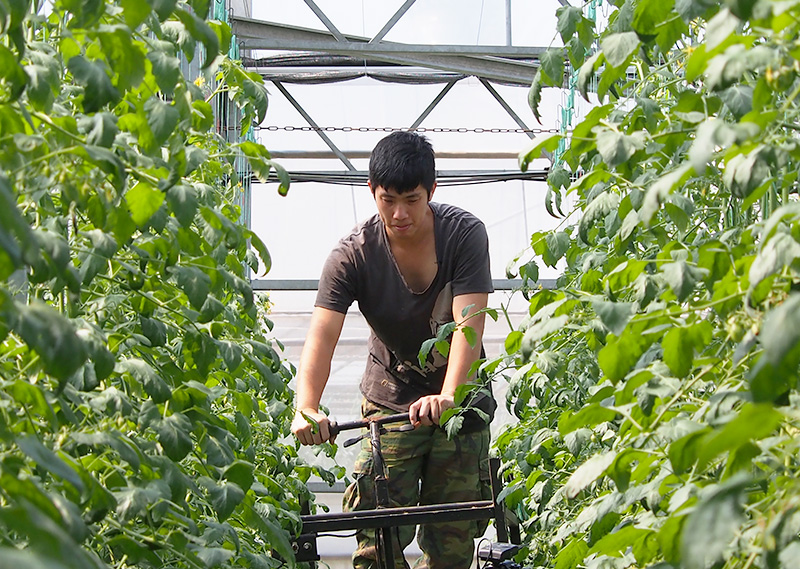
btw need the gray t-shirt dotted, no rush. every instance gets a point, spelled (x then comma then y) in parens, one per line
(362, 268)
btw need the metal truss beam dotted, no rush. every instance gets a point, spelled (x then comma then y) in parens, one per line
(506, 106)
(325, 20)
(432, 106)
(392, 21)
(310, 121)
(490, 62)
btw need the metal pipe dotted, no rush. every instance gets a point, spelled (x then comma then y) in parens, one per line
(408, 515)
(313, 284)
(359, 154)
(508, 22)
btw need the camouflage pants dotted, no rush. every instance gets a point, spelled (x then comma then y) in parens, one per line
(424, 467)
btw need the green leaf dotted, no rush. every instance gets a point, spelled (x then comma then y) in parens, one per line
(49, 460)
(166, 68)
(163, 8)
(680, 344)
(619, 355)
(684, 451)
(754, 422)
(556, 246)
(108, 163)
(682, 277)
(551, 64)
(535, 96)
(424, 350)
(93, 75)
(745, 172)
(739, 99)
(263, 253)
(13, 78)
(134, 501)
(135, 12)
(614, 315)
(650, 14)
(598, 209)
(616, 147)
(231, 354)
(100, 129)
(617, 48)
(218, 452)
(713, 524)
(152, 382)
(194, 282)
(182, 200)
(225, 497)
(586, 74)
(545, 143)
(571, 556)
(174, 435)
(776, 254)
(241, 473)
(202, 32)
(52, 337)
(660, 191)
(575, 441)
(587, 473)
(720, 28)
(617, 542)
(780, 335)
(143, 202)
(588, 416)
(568, 19)
(162, 118)
(471, 335)
(224, 35)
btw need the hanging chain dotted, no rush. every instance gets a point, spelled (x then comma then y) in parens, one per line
(418, 129)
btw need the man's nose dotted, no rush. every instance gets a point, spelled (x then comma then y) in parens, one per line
(400, 212)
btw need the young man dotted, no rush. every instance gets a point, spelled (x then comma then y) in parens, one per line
(412, 267)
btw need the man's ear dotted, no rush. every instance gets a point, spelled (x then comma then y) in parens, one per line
(371, 189)
(433, 189)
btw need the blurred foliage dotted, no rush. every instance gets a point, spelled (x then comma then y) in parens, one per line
(656, 386)
(143, 411)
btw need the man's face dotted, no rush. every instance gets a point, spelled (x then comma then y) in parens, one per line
(402, 214)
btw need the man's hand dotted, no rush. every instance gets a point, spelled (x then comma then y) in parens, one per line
(428, 410)
(314, 431)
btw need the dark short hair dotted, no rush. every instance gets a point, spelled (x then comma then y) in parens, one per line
(401, 162)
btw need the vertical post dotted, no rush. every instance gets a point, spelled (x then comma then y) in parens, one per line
(508, 22)
(383, 535)
(499, 511)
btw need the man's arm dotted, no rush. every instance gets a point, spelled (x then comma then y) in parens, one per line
(315, 367)
(428, 410)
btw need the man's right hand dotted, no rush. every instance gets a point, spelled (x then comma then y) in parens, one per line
(307, 432)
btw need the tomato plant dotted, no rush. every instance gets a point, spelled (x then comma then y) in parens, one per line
(142, 407)
(656, 387)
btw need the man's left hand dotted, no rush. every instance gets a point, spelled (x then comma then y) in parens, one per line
(428, 410)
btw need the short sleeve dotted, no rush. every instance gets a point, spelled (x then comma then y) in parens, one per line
(472, 271)
(337, 283)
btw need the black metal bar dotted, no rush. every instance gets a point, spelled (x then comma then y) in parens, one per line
(410, 515)
(337, 428)
(499, 511)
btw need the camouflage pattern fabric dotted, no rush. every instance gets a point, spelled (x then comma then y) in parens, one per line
(424, 467)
